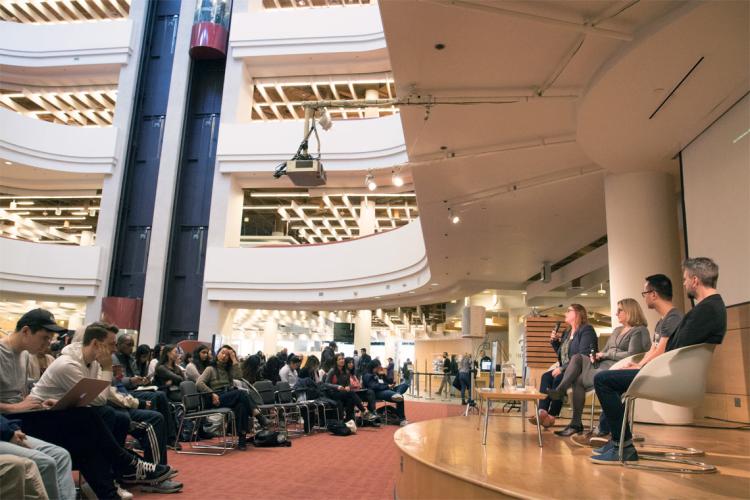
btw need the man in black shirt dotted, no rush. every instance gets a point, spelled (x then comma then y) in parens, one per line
(705, 323)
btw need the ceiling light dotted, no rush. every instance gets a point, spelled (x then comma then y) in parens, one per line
(66, 224)
(246, 219)
(435, 284)
(25, 203)
(524, 292)
(370, 182)
(455, 219)
(58, 211)
(13, 205)
(584, 294)
(397, 180)
(601, 290)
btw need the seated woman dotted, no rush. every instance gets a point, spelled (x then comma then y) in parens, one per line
(337, 382)
(200, 360)
(218, 379)
(142, 360)
(363, 393)
(375, 380)
(168, 374)
(580, 338)
(627, 340)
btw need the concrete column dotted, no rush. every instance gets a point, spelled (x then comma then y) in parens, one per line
(363, 329)
(366, 220)
(270, 336)
(642, 235)
(215, 318)
(515, 331)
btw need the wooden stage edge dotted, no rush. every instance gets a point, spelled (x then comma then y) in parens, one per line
(444, 459)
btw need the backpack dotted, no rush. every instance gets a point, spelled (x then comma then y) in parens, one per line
(269, 439)
(388, 414)
(339, 428)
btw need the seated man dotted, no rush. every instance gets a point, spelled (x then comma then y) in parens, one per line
(705, 323)
(92, 358)
(384, 389)
(53, 462)
(19, 478)
(133, 377)
(89, 442)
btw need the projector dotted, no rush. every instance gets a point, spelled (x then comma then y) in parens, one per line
(306, 172)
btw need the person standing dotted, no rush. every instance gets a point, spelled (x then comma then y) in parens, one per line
(445, 383)
(464, 377)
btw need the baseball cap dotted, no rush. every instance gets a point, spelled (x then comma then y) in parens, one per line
(40, 318)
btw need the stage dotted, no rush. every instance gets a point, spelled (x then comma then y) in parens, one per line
(444, 459)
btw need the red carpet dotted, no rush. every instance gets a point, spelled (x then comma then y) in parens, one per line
(320, 466)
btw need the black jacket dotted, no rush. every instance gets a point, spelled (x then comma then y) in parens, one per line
(582, 343)
(370, 381)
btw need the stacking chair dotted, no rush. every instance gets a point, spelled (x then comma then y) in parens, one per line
(196, 409)
(676, 377)
(268, 406)
(291, 411)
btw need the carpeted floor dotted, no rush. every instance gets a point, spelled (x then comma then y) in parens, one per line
(320, 466)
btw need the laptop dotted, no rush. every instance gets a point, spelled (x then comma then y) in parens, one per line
(81, 394)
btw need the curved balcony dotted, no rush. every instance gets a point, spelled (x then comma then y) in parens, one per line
(72, 44)
(349, 145)
(42, 269)
(381, 265)
(36, 143)
(309, 41)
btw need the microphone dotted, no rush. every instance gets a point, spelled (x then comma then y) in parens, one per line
(557, 326)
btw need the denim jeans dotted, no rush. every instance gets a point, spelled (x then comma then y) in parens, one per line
(610, 386)
(53, 462)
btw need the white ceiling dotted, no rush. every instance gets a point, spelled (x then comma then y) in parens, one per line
(576, 55)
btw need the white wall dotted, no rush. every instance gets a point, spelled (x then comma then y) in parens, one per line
(716, 179)
(380, 265)
(28, 141)
(65, 44)
(348, 145)
(45, 269)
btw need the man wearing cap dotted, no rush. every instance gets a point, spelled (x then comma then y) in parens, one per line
(54, 463)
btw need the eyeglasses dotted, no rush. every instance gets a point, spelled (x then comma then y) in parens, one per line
(643, 294)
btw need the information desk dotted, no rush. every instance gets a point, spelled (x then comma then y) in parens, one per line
(523, 395)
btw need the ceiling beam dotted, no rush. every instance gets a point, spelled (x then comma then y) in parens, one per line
(592, 261)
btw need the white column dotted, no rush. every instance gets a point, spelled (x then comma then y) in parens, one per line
(106, 227)
(366, 220)
(270, 336)
(363, 329)
(217, 317)
(642, 235)
(166, 183)
(371, 95)
(514, 335)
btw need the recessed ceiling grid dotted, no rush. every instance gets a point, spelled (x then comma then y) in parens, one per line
(80, 107)
(281, 99)
(321, 219)
(62, 11)
(291, 4)
(59, 218)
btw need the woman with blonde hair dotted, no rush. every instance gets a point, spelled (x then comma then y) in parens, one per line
(630, 338)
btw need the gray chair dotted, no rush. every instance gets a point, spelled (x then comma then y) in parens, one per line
(676, 377)
(198, 408)
(291, 411)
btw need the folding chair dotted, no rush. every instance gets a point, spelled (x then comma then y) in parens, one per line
(196, 409)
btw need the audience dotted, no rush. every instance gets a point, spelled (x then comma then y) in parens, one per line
(580, 338)
(288, 372)
(704, 323)
(337, 383)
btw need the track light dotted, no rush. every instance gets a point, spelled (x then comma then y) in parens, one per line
(601, 290)
(58, 211)
(370, 182)
(397, 180)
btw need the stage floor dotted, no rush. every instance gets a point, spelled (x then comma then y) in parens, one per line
(444, 458)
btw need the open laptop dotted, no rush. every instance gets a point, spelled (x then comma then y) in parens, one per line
(81, 394)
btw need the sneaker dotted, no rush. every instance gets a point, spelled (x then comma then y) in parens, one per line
(122, 493)
(403, 423)
(162, 487)
(612, 456)
(369, 416)
(604, 449)
(397, 398)
(600, 440)
(146, 473)
(581, 439)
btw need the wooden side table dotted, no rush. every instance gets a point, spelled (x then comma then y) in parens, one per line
(523, 395)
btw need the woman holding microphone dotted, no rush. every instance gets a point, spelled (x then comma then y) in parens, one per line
(579, 338)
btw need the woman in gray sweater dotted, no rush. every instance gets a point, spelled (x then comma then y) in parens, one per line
(627, 340)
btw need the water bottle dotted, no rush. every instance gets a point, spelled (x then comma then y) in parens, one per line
(509, 376)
